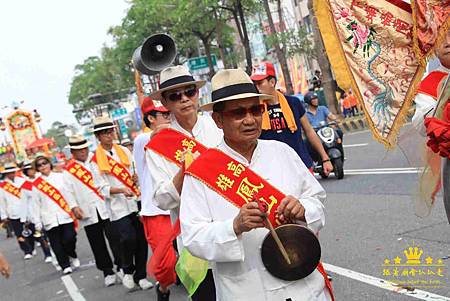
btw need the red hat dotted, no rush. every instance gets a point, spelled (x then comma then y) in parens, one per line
(149, 105)
(262, 71)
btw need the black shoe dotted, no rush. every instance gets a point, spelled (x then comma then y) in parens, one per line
(162, 296)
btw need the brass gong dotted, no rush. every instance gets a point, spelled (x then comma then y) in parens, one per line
(303, 249)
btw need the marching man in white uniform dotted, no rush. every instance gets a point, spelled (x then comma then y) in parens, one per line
(13, 206)
(52, 212)
(85, 188)
(115, 164)
(216, 230)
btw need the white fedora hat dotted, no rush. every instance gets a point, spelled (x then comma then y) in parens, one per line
(103, 123)
(175, 77)
(10, 167)
(232, 84)
(78, 142)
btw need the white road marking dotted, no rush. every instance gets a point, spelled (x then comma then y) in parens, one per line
(416, 293)
(383, 171)
(72, 288)
(70, 285)
(355, 145)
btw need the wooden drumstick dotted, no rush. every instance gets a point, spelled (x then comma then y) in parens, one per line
(274, 234)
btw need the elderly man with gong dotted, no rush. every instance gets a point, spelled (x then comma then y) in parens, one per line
(233, 194)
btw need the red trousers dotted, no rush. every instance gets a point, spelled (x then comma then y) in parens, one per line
(162, 266)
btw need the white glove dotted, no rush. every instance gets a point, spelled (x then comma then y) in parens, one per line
(38, 227)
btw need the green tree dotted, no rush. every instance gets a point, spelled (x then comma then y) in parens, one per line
(56, 131)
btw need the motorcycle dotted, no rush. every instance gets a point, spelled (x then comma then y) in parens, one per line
(332, 144)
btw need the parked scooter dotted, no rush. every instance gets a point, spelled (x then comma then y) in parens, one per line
(332, 144)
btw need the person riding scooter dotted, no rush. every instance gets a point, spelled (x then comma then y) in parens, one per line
(320, 117)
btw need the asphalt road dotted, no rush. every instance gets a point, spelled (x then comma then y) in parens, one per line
(370, 218)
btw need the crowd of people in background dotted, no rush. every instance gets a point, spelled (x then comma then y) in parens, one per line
(131, 196)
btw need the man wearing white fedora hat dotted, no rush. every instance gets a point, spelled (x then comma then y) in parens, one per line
(114, 164)
(220, 220)
(179, 93)
(13, 206)
(86, 189)
(30, 174)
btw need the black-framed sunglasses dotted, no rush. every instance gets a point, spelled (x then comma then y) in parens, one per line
(176, 96)
(165, 115)
(241, 113)
(42, 163)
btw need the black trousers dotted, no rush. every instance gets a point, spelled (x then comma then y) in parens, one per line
(63, 239)
(133, 245)
(206, 290)
(25, 243)
(42, 240)
(96, 236)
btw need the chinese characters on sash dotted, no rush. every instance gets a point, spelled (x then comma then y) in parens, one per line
(121, 173)
(84, 175)
(10, 188)
(235, 182)
(55, 195)
(172, 145)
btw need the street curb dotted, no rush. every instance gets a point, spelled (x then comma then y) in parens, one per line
(353, 124)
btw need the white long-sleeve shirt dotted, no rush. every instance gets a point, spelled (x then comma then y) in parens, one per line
(83, 197)
(118, 204)
(165, 195)
(30, 197)
(425, 107)
(47, 212)
(148, 208)
(207, 228)
(11, 206)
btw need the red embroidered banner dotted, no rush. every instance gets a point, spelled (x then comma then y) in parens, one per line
(10, 188)
(82, 174)
(55, 195)
(171, 144)
(121, 173)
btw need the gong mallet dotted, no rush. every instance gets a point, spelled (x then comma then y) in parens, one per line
(263, 207)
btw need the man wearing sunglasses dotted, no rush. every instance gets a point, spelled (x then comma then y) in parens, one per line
(179, 93)
(115, 165)
(284, 117)
(220, 220)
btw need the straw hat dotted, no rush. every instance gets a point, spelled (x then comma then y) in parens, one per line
(78, 142)
(126, 141)
(27, 164)
(10, 167)
(232, 84)
(175, 77)
(102, 123)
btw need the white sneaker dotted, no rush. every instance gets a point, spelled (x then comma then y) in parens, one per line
(48, 259)
(34, 253)
(67, 271)
(38, 244)
(110, 280)
(27, 256)
(145, 284)
(128, 281)
(120, 276)
(75, 263)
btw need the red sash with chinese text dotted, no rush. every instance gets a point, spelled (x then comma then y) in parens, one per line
(27, 185)
(171, 144)
(10, 188)
(121, 173)
(56, 196)
(239, 185)
(85, 176)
